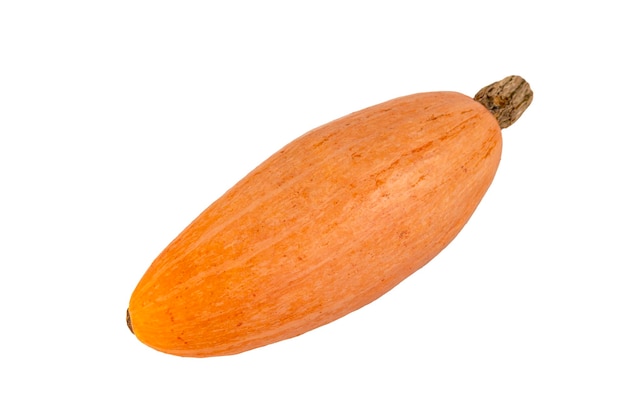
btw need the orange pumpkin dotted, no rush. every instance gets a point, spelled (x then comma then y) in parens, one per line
(328, 224)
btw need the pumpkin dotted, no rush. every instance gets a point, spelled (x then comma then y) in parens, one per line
(327, 224)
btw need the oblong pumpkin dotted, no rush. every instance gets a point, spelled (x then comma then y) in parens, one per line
(328, 224)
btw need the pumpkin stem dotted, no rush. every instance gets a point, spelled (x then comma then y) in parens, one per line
(506, 99)
(128, 322)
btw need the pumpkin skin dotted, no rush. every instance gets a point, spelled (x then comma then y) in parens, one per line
(326, 225)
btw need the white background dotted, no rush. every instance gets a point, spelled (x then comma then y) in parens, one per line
(121, 120)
